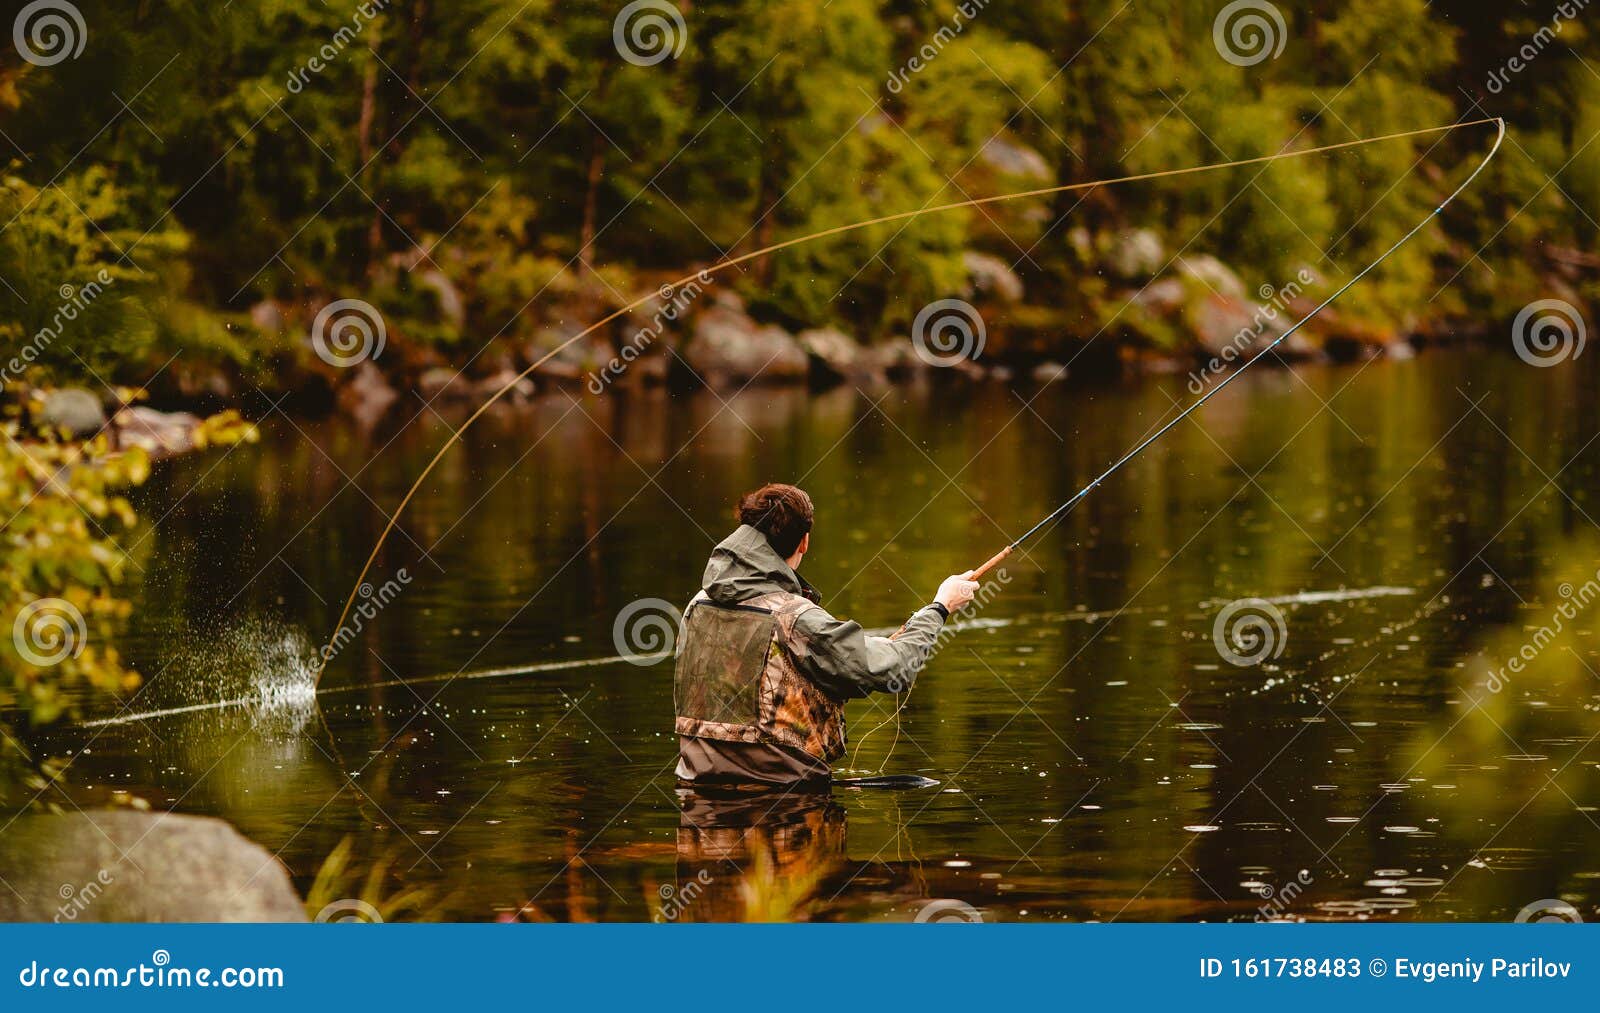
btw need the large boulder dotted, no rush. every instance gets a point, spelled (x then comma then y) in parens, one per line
(1137, 254)
(160, 434)
(837, 356)
(988, 275)
(129, 866)
(74, 410)
(367, 395)
(1212, 273)
(729, 348)
(1014, 159)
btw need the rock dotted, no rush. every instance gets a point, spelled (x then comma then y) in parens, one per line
(1137, 254)
(1165, 296)
(1049, 372)
(1221, 323)
(896, 358)
(990, 276)
(71, 868)
(73, 409)
(434, 382)
(367, 394)
(837, 356)
(1213, 274)
(446, 294)
(728, 347)
(573, 364)
(160, 434)
(522, 388)
(267, 316)
(1014, 159)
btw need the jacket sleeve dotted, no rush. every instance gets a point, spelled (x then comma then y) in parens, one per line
(846, 663)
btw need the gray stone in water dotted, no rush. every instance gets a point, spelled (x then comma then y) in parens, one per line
(1138, 253)
(990, 276)
(730, 347)
(73, 409)
(112, 865)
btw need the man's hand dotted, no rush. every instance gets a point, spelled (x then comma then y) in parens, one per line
(956, 591)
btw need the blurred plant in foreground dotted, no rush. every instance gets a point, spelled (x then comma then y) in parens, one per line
(62, 557)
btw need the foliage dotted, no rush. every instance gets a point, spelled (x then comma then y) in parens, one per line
(62, 557)
(503, 158)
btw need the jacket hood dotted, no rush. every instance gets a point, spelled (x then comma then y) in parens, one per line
(745, 565)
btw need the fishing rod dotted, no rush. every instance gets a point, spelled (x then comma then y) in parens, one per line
(1065, 508)
(704, 276)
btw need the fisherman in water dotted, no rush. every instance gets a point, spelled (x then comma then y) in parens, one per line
(763, 671)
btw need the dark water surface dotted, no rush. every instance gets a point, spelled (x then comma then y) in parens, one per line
(1098, 757)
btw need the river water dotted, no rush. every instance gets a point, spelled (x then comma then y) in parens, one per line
(1408, 526)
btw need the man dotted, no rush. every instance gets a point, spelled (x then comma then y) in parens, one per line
(763, 671)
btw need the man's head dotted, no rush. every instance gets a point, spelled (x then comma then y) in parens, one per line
(783, 513)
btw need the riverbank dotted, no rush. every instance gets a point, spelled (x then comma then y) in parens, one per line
(1145, 312)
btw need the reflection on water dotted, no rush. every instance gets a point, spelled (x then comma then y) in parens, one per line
(1410, 523)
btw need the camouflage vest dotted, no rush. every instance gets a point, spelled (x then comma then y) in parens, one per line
(736, 678)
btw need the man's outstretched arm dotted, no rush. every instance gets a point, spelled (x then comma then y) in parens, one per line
(846, 663)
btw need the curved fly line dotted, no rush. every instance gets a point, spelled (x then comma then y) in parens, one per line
(705, 274)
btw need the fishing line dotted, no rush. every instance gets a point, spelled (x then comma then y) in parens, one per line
(1065, 508)
(705, 274)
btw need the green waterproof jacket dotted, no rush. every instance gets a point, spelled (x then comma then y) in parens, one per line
(837, 658)
(842, 659)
